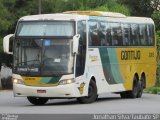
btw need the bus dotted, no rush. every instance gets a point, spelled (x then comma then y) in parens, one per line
(81, 54)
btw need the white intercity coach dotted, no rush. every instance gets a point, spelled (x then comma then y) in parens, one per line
(81, 54)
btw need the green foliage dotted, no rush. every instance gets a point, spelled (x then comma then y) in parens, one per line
(109, 5)
(153, 90)
(138, 7)
(102, 8)
(121, 9)
(158, 37)
(5, 22)
(158, 58)
(156, 18)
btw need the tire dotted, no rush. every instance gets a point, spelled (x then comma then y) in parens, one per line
(37, 100)
(134, 92)
(140, 89)
(92, 94)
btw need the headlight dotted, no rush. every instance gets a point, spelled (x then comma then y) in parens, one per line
(68, 81)
(18, 81)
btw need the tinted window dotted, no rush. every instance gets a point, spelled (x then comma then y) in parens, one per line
(102, 33)
(143, 34)
(46, 28)
(93, 34)
(108, 34)
(126, 34)
(116, 34)
(150, 34)
(134, 34)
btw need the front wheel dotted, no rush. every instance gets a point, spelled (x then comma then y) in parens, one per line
(92, 94)
(37, 100)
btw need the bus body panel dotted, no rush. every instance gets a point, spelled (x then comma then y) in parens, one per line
(77, 89)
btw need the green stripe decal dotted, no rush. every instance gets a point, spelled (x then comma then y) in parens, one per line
(50, 80)
(110, 66)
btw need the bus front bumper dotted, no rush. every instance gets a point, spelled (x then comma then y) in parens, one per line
(62, 91)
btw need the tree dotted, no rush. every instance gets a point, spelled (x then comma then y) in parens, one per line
(156, 18)
(139, 7)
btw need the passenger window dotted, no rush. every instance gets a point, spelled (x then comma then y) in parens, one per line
(150, 33)
(116, 34)
(93, 34)
(142, 35)
(102, 33)
(108, 35)
(126, 34)
(134, 35)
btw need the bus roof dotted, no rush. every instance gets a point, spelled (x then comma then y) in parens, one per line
(113, 16)
(56, 16)
(83, 15)
(97, 13)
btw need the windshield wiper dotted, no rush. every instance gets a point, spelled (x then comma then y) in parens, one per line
(29, 61)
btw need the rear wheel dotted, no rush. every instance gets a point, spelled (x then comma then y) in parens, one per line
(140, 88)
(37, 100)
(134, 92)
(92, 94)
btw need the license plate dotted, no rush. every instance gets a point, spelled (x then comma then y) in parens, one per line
(41, 91)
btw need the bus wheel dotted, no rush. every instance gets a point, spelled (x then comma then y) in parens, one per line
(37, 100)
(140, 89)
(92, 94)
(134, 92)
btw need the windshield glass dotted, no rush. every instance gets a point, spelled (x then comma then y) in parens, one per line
(43, 56)
(46, 28)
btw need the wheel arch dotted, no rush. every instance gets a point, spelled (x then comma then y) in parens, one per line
(93, 78)
(136, 75)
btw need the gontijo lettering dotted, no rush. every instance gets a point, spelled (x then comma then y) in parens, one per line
(130, 55)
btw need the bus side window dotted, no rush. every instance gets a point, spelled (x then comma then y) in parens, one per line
(93, 34)
(116, 34)
(108, 35)
(142, 34)
(150, 34)
(102, 33)
(126, 34)
(134, 35)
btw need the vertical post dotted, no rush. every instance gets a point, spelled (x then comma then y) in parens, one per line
(39, 6)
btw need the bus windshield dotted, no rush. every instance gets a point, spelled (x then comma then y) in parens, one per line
(43, 57)
(46, 28)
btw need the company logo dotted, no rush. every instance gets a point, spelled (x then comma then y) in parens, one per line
(130, 55)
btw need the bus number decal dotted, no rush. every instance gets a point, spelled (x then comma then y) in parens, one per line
(151, 54)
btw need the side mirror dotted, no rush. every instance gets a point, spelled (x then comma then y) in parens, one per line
(7, 42)
(76, 43)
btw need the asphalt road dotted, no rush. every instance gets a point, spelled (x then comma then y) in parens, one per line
(107, 103)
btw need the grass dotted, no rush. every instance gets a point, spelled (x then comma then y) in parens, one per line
(152, 90)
